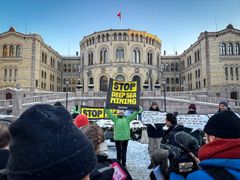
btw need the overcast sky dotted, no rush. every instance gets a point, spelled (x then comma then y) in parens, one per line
(63, 23)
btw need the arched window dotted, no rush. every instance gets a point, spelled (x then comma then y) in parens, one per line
(237, 73)
(11, 51)
(163, 67)
(115, 36)
(10, 74)
(103, 56)
(158, 61)
(65, 67)
(132, 37)
(226, 73)
(138, 79)
(74, 68)
(69, 67)
(147, 40)
(120, 36)
(136, 37)
(93, 40)
(5, 51)
(172, 81)
(107, 37)
(103, 38)
(90, 80)
(120, 78)
(177, 80)
(90, 58)
(237, 47)
(45, 59)
(167, 67)
(176, 67)
(223, 49)
(124, 36)
(172, 66)
(141, 38)
(149, 57)
(104, 83)
(136, 55)
(167, 81)
(98, 38)
(120, 53)
(231, 72)
(15, 74)
(5, 74)
(230, 49)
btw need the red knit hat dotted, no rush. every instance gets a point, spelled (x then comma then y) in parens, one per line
(81, 120)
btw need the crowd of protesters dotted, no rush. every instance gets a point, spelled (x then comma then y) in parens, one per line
(46, 142)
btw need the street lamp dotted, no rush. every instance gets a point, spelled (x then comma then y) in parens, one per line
(67, 83)
(145, 84)
(157, 86)
(79, 85)
(164, 94)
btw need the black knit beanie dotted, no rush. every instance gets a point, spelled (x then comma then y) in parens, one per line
(224, 124)
(46, 145)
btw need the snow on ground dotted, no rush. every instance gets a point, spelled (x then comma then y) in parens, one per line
(137, 159)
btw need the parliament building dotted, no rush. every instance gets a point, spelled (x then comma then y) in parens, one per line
(211, 64)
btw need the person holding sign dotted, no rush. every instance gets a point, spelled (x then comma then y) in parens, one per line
(155, 134)
(122, 132)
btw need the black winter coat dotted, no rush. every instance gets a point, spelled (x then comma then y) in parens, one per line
(168, 137)
(152, 131)
(103, 169)
(4, 154)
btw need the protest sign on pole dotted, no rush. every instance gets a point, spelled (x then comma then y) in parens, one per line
(96, 112)
(153, 117)
(93, 112)
(123, 95)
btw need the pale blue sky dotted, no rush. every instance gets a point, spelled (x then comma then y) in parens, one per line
(63, 23)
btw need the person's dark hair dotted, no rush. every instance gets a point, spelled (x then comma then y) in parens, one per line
(4, 134)
(171, 118)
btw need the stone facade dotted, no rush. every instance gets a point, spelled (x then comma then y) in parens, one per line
(26, 61)
(211, 64)
(119, 54)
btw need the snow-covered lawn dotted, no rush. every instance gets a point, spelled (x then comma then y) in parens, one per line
(137, 159)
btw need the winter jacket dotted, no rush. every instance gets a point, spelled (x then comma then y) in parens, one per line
(103, 169)
(4, 154)
(121, 125)
(156, 130)
(168, 137)
(231, 165)
(223, 153)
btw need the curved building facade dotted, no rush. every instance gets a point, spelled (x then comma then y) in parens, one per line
(121, 54)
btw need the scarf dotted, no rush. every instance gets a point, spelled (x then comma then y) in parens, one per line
(220, 148)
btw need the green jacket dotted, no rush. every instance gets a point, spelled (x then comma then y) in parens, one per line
(76, 110)
(121, 125)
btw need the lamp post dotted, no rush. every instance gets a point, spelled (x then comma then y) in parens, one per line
(79, 85)
(157, 86)
(67, 83)
(164, 94)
